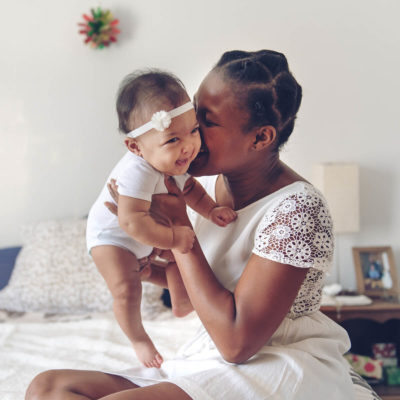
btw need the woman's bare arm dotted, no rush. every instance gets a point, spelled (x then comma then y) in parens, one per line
(240, 323)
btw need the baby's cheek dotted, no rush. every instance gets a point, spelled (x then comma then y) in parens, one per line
(198, 146)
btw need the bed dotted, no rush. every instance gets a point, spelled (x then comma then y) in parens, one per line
(55, 312)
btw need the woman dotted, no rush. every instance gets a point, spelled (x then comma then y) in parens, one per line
(256, 284)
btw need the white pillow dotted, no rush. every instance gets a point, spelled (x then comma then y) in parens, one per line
(54, 274)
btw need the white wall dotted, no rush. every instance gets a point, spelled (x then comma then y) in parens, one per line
(58, 127)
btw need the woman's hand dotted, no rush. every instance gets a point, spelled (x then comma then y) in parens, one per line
(171, 205)
(161, 258)
(113, 207)
(164, 208)
(113, 189)
(152, 267)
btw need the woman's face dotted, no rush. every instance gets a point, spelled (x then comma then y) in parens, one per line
(225, 146)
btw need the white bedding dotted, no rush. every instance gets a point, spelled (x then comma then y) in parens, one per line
(53, 273)
(31, 343)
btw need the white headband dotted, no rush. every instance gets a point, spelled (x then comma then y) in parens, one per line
(160, 120)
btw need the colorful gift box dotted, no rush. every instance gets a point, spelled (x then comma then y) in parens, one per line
(389, 362)
(384, 350)
(392, 375)
(365, 366)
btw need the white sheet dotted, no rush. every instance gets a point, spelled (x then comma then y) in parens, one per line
(33, 343)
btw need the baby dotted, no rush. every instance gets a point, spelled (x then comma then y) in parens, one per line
(162, 137)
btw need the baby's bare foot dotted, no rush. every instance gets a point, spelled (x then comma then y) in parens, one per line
(147, 353)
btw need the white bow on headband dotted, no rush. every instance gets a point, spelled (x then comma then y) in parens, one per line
(160, 120)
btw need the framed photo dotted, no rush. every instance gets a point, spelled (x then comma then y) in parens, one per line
(375, 271)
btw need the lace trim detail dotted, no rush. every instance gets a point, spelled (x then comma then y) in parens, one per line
(298, 231)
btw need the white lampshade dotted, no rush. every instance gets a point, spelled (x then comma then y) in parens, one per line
(340, 185)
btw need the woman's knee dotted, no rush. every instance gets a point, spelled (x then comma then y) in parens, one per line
(44, 385)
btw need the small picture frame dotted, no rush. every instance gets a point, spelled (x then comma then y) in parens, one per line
(376, 271)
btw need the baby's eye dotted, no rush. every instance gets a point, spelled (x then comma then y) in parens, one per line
(173, 140)
(195, 130)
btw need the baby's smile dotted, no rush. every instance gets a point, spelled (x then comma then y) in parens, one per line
(182, 162)
(185, 161)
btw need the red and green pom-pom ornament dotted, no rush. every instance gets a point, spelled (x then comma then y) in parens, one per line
(100, 28)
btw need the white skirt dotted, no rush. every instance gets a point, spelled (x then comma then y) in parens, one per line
(302, 361)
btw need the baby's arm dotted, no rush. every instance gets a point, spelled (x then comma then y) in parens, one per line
(135, 219)
(198, 199)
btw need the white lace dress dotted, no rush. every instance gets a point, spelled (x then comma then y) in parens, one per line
(303, 359)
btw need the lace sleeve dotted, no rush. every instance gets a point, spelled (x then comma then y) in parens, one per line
(297, 231)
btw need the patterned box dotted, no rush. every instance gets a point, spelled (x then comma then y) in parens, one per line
(392, 376)
(365, 366)
(384, 350)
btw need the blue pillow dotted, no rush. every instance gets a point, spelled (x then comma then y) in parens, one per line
(8, 256)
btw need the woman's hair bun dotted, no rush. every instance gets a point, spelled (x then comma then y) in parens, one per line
(266, 87)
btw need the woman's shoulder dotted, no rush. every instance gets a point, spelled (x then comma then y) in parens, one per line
(300, 192)
(297, 227)
(299, 186)
(298, 199)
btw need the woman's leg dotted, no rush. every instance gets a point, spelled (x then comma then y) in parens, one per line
(160, 391)
(75, 385)
(120, 270)
(91, 385)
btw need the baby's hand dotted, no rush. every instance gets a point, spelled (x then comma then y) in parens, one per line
(222, 216)
(183, 238)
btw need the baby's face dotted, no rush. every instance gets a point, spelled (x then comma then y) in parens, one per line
(172, 150)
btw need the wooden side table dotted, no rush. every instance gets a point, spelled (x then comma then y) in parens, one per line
(379, 311)
(374, 323)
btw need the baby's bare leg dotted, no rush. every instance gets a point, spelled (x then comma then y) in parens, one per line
(181, 304)
(120, 270)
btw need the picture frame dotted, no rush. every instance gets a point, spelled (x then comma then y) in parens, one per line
(376, 271)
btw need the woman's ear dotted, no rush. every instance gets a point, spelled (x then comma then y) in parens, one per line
(133, 146)
(264, 137)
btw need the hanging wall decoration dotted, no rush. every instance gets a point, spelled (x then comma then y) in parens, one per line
(100, 28)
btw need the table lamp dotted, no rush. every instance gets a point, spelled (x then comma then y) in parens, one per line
(339, 182)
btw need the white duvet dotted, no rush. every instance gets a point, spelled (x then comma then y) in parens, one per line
(32, 343)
